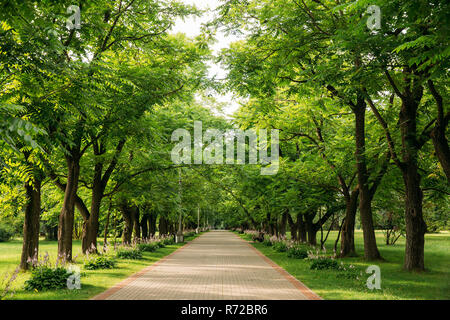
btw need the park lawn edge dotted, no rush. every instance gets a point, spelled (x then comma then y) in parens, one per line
(397, 284)
(94, 282)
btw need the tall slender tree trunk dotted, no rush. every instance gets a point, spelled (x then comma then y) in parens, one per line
(91, 225)
(163, 228)
(301, 227)
(144, 225)
(365, 200)
(438, 135)
(293, 228)
(136, 224)
(311, 230)
(66, 217)
(30, 246)
(415, 225)
(152, 223)
(283, 222)
(348, 228)
(128, 223)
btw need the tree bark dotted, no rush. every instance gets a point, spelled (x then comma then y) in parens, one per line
(438, 135)
(163, 227)
(348, 228)
(136, 224)
(311, 230)
(144, 225)
(66, 217)
(152, 223)
(128, 223)
(283, 222)
(99, 183)
(30, 248)
(415, 225)
(365, 200)
(301, 227)
(293, 228)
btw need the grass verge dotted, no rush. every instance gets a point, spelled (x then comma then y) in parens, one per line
(93, 282)
(396, 284)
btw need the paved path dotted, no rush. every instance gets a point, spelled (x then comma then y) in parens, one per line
(215, 266)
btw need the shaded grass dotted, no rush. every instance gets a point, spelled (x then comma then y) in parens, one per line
(93, 282)
(395, 282)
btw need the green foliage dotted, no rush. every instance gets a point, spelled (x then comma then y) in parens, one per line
(6, 232)
(148, 247)
(267, 242)
(297, 252)
(167, 241)
(100, 262)
(324, 264)
(279, 246)
(47, 278)
(129, 253)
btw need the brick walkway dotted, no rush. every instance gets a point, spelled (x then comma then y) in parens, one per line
(215, 266)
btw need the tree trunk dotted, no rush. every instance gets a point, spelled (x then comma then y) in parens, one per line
(152, 224)
(311, 230)
(91, 225)
(293, 228)
(282, 227)
(415, 225)
(365, 200)
(163, 228)
(128, 223)
(348, 228)
(438, 136)
(66, 217)
(136, 224)
(31, 225)
(301, 227)
(144, 225)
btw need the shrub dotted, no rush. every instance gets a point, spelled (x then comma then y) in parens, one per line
(324, 263)
(297, 252)
(349, 272)
(267, 242)
(100, 262)
(46, 278)
(280, 246)
(129, 253)
(6, 232)
(148, 247)
(167, 241)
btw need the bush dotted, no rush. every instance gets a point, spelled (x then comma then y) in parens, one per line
(267, 242)
(100, 262)
(349, 272)
(279, 246)
(46, 278)
(148, 247)
(324, 263)
(297, 252)
(6, 232)
(167, 241)
(129, 253)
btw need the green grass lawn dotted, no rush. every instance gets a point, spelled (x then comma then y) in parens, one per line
(395, 283)
(93, 282)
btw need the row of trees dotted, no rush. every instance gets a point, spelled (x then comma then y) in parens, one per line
(87, 117)
(87, 114)
(358, 108)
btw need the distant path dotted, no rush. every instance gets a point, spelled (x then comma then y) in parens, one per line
(215, 266)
